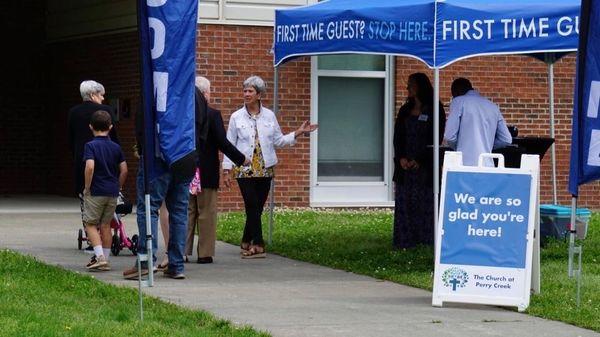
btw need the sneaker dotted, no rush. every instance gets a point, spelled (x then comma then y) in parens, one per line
(205, 260)
(171, 274)
(96, 263)
(105, 267)
(89, 250)
(92, 262)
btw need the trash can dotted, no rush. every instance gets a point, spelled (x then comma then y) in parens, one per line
(555, 221)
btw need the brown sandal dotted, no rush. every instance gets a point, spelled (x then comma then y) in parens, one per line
(162, 266)
(245, 247)
(255, 252)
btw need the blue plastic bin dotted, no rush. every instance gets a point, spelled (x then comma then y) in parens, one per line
(555, 220)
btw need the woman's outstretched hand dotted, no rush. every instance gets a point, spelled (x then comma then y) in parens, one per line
(306, 128)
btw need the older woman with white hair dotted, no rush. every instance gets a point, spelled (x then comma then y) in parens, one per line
(92, 91)
(79, 117)
(254, 130)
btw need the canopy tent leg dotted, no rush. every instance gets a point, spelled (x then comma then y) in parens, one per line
(271, 207)
(272, 190)
(436, 148)
(535, 261)
(552, 134)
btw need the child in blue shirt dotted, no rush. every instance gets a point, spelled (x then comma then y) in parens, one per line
(105, 173)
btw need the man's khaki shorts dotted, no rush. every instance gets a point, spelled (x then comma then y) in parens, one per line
(98, 210)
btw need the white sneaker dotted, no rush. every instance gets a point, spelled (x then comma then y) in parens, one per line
(98, 264)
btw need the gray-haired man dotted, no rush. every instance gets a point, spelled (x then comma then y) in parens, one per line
(210, 139)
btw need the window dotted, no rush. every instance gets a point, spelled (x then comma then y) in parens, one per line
(350, 129)
(350, 163)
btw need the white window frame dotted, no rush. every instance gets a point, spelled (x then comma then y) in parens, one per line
(355, 193)
(268, 5)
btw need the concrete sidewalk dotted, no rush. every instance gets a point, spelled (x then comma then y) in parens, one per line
(278, 295)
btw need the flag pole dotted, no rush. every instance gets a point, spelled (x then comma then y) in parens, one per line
(436, 149)
(436, 131)
(572, 235)
(140, 27)
(575, 250)
(272, 189)
(579, 115)
(147, 159)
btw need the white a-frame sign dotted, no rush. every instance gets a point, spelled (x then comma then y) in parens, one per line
(484, 241)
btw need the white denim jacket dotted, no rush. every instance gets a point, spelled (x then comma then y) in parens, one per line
(240, 133)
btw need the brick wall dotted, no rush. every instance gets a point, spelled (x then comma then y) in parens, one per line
(229, 54)
(111, 60)
(519, 85)
(23, 118)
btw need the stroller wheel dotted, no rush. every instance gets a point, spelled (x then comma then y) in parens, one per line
(115, 248)
(134, 244)
(79, 238)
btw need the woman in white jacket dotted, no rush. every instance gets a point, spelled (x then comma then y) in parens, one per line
(254, 130)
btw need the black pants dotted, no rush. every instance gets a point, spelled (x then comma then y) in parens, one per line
(255, 192)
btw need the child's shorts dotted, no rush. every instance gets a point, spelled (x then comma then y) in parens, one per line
(98, 210)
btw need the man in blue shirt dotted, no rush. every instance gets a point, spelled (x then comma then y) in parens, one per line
(104, 175)
(475, 124)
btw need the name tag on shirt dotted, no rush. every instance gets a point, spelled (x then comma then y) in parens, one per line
(423, 118)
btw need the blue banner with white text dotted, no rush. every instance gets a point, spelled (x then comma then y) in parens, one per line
(435, 32)
(585, 141)
(167, 31)
(351, 26)
(469, 28)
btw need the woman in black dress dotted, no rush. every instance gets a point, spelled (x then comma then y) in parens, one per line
(413, 164)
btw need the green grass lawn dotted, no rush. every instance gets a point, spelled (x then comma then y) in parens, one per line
(360, 242)
(41, 300)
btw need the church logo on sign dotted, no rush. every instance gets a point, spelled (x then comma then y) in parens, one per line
(455, 278)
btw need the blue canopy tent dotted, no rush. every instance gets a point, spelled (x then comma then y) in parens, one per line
(437, 33)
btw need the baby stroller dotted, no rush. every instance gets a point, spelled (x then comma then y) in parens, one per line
(120, 239)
